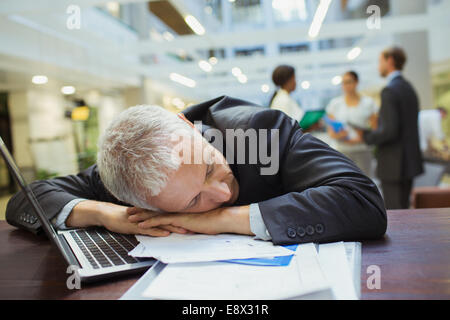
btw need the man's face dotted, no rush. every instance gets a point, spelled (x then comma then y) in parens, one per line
(383, 66)
(198, 187)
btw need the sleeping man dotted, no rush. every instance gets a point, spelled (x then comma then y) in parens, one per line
(240, 169)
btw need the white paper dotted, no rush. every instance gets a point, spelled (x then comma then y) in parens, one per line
(353, 252)
(335, 265)
(179, 248)
(223, 281)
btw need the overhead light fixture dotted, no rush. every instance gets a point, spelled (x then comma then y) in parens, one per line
(196, 26)
(236, 71)
(204, 65)
(336, 80)
(354, 53)
(306, 85)
(178, 103)
(242, 78)
(213, 60)
(182, 80)
(319, 17)
(39, 79)
(68, 90)
(265, 88)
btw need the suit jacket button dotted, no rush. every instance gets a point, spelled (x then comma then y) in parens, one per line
(291, 232)
(301, 231)
(310, 230)
(319, 228)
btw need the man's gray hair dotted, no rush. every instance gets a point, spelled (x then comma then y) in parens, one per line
(135, 153)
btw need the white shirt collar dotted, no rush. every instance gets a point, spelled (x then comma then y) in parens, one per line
(393, 75)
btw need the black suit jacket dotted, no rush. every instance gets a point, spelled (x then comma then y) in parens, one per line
(317, 195)
(397, 137)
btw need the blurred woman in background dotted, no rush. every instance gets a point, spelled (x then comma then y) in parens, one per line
(355, 112)
(284, 78)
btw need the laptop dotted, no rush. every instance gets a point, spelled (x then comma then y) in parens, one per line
(96, 253)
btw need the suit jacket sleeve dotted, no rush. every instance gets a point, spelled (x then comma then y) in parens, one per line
(54, 194)
(388, 123)
(326, 197)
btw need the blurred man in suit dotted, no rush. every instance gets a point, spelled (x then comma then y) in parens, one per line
(397, 136)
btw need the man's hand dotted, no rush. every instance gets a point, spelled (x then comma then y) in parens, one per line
(220, 220)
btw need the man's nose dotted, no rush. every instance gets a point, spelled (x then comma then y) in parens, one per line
(219, 191)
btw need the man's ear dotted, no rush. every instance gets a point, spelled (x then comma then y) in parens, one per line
(182, 117)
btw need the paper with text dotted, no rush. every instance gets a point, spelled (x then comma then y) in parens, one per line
(222, 281)
(179, 248)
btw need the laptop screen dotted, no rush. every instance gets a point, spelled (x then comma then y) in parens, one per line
(45, 223)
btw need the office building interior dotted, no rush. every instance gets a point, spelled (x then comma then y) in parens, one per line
(68, 67)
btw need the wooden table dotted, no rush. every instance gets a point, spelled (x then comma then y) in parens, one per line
(414, 260)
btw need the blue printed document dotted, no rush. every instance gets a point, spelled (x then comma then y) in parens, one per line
(274, 262)
(337, 126)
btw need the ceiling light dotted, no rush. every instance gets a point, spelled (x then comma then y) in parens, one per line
(336, 80)
(213, 60)
(39, 79)
(178, 103)
(236, 71)
(265, 88)
(306, 85)
(319, 16)
(182, 80)
(204, 65)
(354, 53)
(68, 90)
(194, 25)
(242, 78)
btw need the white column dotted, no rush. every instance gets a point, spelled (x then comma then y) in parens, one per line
(42, 136)
(416, 46)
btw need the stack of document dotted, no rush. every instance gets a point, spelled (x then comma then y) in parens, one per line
(178, 248)
(239, 267)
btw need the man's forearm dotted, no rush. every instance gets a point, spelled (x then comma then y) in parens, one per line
(237, 220)
(86, 214)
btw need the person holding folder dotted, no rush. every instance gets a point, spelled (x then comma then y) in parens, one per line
(352, 108)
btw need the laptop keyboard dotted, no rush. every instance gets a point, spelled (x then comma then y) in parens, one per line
(103, 248)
